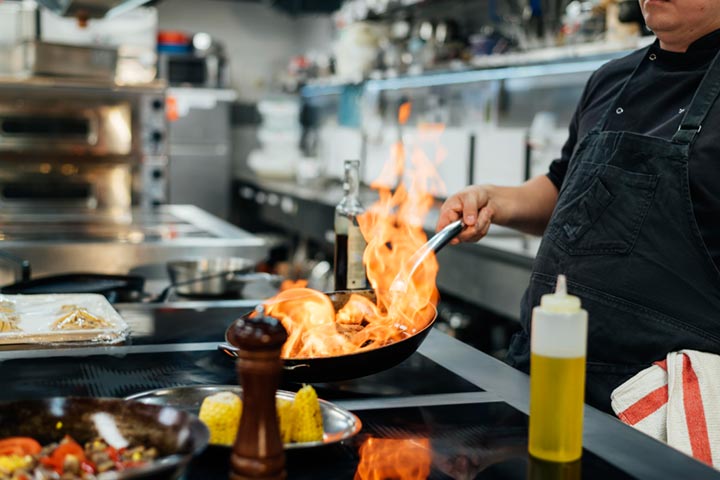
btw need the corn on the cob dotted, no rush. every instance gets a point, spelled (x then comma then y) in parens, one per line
(308, 424)
(221, 413)
(285, 414)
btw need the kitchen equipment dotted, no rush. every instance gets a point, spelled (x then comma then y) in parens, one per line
(57, 242)
(31, 320)
(438, 241)
(45, 58)
(200, 62)
(116, 288)
(339, 424)
(81, 145)
(234, 285)
(177, 435)
(342, 367)
(208, 276)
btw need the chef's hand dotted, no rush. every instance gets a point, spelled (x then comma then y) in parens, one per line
(473, 205)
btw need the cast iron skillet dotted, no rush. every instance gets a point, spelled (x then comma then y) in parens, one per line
(177, 435)
(342, 367)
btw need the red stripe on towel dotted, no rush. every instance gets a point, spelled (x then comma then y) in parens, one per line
(647, 405)
(662, 364)
(695, 414)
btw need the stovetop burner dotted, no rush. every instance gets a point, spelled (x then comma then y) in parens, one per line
(468, 441)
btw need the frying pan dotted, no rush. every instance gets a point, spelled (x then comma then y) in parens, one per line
(116, 288)
(360, 364)
(341, 367)
(176, 434)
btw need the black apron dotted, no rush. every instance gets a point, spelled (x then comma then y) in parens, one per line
(624, 233)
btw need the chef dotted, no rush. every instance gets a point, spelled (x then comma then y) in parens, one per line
(630, 212)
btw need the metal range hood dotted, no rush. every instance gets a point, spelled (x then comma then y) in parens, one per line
(90, 8)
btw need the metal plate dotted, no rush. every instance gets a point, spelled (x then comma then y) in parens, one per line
(339, 424)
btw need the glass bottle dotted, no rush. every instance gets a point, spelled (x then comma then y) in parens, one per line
(558, 346)
(349, 271)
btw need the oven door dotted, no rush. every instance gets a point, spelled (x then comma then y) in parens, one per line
(67, 126)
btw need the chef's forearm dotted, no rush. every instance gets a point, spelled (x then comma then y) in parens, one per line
(527, 207)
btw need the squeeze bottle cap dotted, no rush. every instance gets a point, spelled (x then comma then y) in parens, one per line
(560, 301)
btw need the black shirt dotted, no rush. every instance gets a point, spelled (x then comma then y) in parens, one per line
(654, 103)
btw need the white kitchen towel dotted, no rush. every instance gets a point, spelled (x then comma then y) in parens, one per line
(676, 401)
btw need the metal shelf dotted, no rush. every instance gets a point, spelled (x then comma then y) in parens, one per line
(550, 61)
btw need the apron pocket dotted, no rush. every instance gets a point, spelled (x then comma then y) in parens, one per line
(606, 217)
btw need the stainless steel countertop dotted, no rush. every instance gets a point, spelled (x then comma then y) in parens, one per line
(18, 82)
(60, 243)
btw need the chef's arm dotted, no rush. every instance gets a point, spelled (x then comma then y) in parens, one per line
(526, 208)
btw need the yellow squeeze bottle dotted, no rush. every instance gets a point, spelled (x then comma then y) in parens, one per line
(558, 346)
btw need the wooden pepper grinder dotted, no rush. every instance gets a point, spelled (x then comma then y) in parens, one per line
(258, 451)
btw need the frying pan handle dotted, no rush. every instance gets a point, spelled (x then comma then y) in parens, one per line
(444, 236)
(232, 350)
(23, 266)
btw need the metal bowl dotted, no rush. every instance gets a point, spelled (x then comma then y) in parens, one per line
(339, 424)
(177, 435)
(205, 277)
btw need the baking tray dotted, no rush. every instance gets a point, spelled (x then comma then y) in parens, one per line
(59, 318)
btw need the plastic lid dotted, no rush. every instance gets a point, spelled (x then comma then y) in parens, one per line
(560, 301)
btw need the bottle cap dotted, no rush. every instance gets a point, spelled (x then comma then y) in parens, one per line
(560, 301)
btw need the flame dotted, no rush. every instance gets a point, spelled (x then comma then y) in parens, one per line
(404, 112)
(393, 230)
(396, 459)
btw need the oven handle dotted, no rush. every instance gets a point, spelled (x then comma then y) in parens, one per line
(23, 270)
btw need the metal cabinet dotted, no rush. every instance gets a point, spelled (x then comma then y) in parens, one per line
(200, 148)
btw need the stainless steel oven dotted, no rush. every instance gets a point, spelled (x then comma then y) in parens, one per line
(80, 145)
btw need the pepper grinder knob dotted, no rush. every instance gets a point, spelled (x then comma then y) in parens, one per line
(258, 451)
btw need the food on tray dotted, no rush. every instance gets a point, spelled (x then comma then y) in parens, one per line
(286, 415)
(78, 318)
(7, 325)
(7, 306)
(9, 317)
(307, 424)
(221, 413)
(299, 420)
(23, 458)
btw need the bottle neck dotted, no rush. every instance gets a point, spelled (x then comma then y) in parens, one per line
(351, 186)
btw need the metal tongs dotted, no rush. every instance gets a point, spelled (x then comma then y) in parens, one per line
(437, 242)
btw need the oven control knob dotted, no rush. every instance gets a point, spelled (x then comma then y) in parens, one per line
(157, 174)
(157, 104)
(157, 136)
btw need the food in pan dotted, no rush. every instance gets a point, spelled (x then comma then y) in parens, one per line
(299, 420)
(78, 318)
(23, 458)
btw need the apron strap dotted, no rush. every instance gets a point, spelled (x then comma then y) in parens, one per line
(703, 100)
